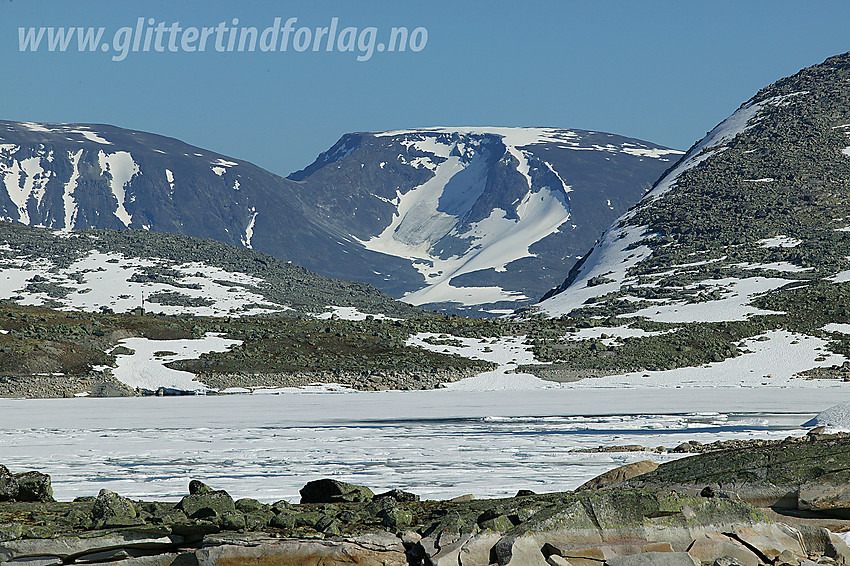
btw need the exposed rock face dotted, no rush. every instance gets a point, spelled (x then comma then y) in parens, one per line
(620, 474)
(806, 474)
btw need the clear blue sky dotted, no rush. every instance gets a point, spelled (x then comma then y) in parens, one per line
(663, 71)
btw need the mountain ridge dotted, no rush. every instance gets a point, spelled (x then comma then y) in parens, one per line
(336, 217)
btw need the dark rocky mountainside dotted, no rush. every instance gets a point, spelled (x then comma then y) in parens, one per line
(745, 240)
(479, 216)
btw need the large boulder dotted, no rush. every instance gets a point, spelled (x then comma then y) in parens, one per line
(620, 474)
(766, 476)
(333, 491)
(112, 510)
(8, 485)
(34, 486)
(207, 505)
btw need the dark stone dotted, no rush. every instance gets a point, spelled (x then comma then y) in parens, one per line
(34, 486)
(333, 491)
(399, 495)
(524, 493)
(247, 505)
(8, 485)
(207, 505)
(197, 487)
(707, 491)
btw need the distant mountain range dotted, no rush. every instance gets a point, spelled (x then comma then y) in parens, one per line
(463, 219)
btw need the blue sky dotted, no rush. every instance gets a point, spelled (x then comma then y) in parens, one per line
(663, 71)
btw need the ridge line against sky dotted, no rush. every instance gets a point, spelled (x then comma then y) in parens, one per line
(662, 71)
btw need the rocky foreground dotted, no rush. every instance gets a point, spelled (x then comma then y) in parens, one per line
(773, 503)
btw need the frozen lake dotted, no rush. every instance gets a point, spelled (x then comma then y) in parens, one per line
(438, 444)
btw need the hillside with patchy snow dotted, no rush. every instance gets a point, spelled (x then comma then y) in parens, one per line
(745, 238)
(118, 271)
(467, 218)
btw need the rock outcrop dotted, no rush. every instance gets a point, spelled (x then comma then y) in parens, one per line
(702, 510)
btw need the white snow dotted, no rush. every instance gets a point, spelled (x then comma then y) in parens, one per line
(91, 136)
(169, 176)
(69, 203)
(249, 230)
(35, 127)
(780, 241)
(121, 169)
(108, 284)
(145, 368)
(223, 162)
(349, 313)
(781, 266)
(837, 327)
(737, 294)
(835, 418)
(777, 356)
(508, 352)
(611, 259)
(218, 170)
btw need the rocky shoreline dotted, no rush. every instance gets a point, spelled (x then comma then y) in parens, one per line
(781, 502)
(52, 386)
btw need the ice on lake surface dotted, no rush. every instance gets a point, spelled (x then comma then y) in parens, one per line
(438, 444)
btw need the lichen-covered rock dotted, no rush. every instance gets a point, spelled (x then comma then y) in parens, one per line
(34, 486)
(207, 505)
(333, 491)
(767, 476)
(113, 510)
(197, 487)
(621, 474)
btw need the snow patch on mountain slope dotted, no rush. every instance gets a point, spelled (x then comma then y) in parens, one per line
(146, 367)
(734, 305)
(101, 280)
(249, 230)
(349, 313)
(69, 203)
(617, 252)
(121, 169)
(521, 137)
(497, 242)
(169, 176)
(25, 179)
(775, 359)
(91, 136)
(508, 352)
